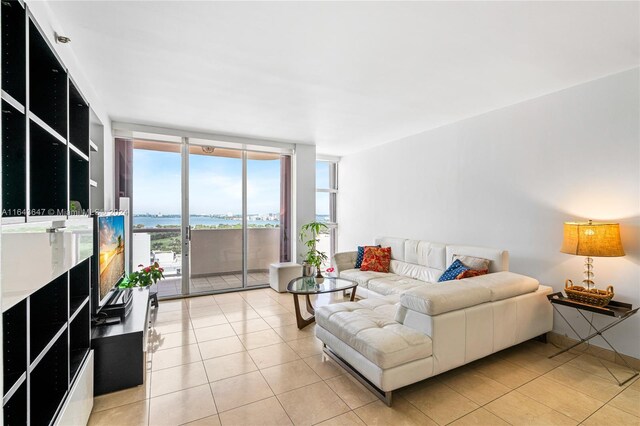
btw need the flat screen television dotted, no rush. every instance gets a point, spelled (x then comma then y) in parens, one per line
(110, 253)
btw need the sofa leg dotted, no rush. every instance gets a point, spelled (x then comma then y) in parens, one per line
(541, 338)
(388, 398)
(384, 396)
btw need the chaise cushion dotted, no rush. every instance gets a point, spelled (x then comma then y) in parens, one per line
(381, 340)
(394, 284)
(504, 285)
(445, 297)
(385, 306)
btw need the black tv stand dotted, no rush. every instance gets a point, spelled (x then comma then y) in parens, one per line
(119, 348)
(116, 309)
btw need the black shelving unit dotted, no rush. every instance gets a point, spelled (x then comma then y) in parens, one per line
(48, 173)
(79, 285)
(78, 120)
(15, 410)
(79, 339)
(45, 165)
(49, 382)
(78, 181)
(47, 83)
(47, 314)
(14, 161)
(14, 337)
(13, 50)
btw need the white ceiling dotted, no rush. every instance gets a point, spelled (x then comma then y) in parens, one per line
(346, 76)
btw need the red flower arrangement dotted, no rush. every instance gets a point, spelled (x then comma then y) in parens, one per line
(144, 277)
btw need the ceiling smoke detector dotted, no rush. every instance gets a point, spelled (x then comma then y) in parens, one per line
(62, 39)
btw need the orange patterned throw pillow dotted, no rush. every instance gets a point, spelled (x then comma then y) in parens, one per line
(471, 273)
(376, 259)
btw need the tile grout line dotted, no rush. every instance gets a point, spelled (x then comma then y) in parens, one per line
(215, 406)
(539, 376)
(148, 398)
(611, 399)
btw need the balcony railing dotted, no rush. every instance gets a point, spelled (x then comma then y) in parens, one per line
(212, 251)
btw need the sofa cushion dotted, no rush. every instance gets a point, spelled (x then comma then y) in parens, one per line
(470, 273)
(362, 277)
(396, 244)
(393, 285)
(381, 340)
(376, 259)
(472, 262)
(504, 285)
(418, 272)
(425, 253)
(499, 258)
(445, 297)
(360, 256)
(452, 272)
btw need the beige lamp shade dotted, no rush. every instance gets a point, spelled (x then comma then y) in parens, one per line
(592, 239)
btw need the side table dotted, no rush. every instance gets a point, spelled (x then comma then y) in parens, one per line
(618, 310)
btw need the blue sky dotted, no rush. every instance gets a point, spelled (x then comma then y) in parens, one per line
(215, 184)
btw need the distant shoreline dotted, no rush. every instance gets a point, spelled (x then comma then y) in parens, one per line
(148, 221)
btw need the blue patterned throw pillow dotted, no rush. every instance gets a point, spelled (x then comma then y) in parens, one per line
(361, 255)
(453, 271)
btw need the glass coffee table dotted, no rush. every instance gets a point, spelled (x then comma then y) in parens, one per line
(313, 285)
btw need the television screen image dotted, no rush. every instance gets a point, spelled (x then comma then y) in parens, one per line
(111, 252)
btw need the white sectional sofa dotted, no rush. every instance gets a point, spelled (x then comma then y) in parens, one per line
(410, 327)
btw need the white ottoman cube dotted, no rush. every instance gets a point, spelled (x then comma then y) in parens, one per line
(280, 274)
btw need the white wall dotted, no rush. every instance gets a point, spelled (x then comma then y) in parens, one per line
(303, 194)
(509, 179)
(49, 25)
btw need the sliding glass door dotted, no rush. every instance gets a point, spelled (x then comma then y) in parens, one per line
(216, 222)
(263, 214)
(157, 205)
(214, 217)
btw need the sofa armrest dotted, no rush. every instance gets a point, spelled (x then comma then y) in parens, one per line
(343, 261)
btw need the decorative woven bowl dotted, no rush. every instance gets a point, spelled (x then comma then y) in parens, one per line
(593, 297)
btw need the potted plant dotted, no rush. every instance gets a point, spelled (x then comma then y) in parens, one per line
(144, 277)
(309, 235)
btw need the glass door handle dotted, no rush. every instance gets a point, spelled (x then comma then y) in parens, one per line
(188, 233)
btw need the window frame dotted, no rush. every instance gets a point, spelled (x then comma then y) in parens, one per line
(333, 198)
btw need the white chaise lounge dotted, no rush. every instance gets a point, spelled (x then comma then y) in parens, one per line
(411, 327)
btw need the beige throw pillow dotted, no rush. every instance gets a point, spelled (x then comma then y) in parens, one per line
(477, 263)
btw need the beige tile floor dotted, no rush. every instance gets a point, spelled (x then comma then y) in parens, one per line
(239, 359)
(172, 285)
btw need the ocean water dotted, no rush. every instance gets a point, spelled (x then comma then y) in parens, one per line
(151, 222)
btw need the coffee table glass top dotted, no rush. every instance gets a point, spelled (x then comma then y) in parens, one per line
(312, 285)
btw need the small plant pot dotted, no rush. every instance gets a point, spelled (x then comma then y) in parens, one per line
(307, 270)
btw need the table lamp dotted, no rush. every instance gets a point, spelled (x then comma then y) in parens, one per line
(591, 239)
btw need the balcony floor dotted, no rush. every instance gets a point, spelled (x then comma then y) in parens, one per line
(172, 286)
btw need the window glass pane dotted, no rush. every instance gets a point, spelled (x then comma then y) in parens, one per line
(322, 207)
(322, 175)
(263, 216)
(215, 209)
(157, 212)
